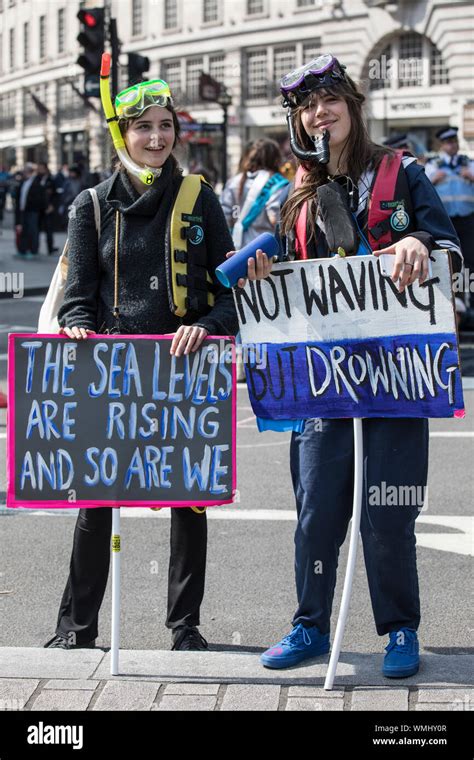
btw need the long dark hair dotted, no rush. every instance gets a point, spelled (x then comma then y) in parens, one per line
(358, 153)
(262, 154)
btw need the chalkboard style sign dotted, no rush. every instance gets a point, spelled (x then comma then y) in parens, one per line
(117, 421)
(329, 338)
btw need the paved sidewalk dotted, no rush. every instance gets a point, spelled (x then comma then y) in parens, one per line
(42, 679)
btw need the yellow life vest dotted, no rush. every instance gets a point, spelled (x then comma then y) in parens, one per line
(190, 287)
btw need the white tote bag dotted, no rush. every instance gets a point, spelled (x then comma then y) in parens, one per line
(48, 316)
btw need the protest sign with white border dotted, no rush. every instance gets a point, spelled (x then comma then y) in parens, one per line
(327, 338)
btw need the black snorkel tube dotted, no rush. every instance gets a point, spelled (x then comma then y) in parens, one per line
(321, 144)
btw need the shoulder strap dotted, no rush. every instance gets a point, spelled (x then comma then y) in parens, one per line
(95, 201)
(258, 184)
(275, 183)
(383, 190)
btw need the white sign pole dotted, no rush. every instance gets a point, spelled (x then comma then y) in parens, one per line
(114, 649)
(351, 561)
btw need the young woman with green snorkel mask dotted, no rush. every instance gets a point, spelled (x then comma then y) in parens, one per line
(135, 205)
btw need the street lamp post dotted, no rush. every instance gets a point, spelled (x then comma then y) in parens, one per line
(224, 99)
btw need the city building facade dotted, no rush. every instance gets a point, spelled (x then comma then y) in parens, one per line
(413, 58)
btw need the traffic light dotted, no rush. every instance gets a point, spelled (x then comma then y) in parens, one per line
(92, 40)
(137, 65)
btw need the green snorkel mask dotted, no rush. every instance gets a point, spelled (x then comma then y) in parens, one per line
(132, 102)
(129, 104)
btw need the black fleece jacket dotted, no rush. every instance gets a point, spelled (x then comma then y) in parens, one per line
(143, 296)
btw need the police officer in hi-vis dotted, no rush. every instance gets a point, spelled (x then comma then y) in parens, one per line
(452, 174)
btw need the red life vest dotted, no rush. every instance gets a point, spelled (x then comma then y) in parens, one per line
(389, 184)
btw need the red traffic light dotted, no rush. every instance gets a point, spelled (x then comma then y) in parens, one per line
(91, 38)
(89, 19)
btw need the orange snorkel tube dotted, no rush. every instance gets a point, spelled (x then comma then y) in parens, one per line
(145, 174)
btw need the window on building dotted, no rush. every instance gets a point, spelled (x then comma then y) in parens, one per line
(211, 11)
(194, 66)
(61, 19)
(171, 73)
(12, 49)
(284, 60)
(257, 75)
(42, 37)
(255, 6)
(171, 14)
(438, 71)
(7, 110)
(26, 42)
(217, 67)
(137, 17)
(410, 60)
(307, 3)
(31, 114)
(70, 103)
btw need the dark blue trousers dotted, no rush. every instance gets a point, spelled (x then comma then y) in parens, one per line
(322, 469)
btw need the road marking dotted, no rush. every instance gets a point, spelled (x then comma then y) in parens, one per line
(456, 543)
(18, 328)
(246, 419)
(452, 434)
(460, 542)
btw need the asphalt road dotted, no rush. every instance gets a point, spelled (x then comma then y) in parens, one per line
(250, 595)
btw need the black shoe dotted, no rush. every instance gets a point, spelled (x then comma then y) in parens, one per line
(186, 638)
(59, 642)
(53, 251)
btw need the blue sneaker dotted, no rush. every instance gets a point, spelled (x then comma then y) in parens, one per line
(402, 658)
(301, 644)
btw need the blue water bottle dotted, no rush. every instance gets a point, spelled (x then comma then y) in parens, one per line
(230, 272)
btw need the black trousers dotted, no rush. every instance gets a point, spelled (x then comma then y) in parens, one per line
(47, 226)
(89, 569)
(29, 237)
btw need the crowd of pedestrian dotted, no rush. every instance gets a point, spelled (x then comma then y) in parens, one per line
(40, 201)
